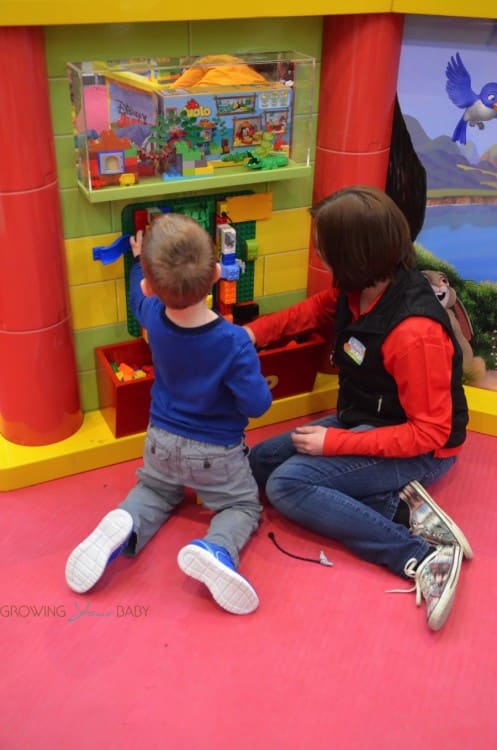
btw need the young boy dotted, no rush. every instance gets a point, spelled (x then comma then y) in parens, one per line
(208, 383)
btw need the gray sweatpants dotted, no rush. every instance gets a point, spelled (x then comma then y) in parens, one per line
(221, 476)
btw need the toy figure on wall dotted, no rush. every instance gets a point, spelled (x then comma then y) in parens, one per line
(478, 108)
(474, 368)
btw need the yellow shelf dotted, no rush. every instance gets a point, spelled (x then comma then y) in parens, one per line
(227, 177)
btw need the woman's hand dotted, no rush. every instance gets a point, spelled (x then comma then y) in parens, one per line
(136, 243)
(309, 439)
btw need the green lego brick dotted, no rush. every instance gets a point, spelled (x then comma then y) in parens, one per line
(251, 250)
(245, 284)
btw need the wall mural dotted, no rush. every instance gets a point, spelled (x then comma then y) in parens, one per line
(447, 90)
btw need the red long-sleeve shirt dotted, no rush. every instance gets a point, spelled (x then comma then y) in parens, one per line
(417, 354)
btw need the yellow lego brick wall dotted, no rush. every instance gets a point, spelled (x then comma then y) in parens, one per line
(96, 291)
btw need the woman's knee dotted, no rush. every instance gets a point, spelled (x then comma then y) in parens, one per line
(281, 490)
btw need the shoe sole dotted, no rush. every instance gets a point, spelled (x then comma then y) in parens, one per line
(229, 589)
(442, 610)
(453, 527)
(87, 562)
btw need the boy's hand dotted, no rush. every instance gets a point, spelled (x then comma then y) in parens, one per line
(136, 243)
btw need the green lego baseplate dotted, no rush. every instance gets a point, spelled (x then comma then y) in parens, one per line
(203, 210)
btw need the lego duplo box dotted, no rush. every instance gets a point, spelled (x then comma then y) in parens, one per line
(125, 406)
(225, 124)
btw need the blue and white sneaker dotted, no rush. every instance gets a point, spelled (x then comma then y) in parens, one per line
(212, 565)
(87, 562)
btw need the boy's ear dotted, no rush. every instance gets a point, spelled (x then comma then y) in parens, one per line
(217, 275)
(146, 288)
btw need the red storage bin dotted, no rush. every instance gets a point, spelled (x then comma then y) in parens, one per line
(124, 405)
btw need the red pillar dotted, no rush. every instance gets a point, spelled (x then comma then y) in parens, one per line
(360, 60)
(39, 398)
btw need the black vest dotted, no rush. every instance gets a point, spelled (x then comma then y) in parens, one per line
(368, 394)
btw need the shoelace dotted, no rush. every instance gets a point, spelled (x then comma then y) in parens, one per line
(409, 570)
(322, 560)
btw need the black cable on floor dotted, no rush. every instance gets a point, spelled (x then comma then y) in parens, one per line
(322, 560)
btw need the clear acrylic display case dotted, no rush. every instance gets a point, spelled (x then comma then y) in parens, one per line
(147, 127)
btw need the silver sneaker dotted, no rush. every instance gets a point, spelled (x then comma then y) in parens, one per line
(429, 521)
(435, 579)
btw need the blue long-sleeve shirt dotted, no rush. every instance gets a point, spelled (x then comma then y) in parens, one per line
(208, 379)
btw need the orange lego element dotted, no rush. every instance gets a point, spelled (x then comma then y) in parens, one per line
(254, 207)
(126, 371)
(227, 292)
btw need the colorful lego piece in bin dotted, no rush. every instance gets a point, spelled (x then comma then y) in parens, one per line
(125, 373)
(116, 371)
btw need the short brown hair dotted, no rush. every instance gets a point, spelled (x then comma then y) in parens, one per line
(362, 236)
(179, 260)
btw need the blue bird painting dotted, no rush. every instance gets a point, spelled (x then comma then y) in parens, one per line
(478, 108)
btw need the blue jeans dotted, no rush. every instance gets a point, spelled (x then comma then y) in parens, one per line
(351, 499)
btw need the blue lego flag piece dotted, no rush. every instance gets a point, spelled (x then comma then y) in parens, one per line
(110, 253)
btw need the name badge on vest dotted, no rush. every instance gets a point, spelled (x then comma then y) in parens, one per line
(355, 349)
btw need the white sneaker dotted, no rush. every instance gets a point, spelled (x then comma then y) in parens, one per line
(87, 562)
